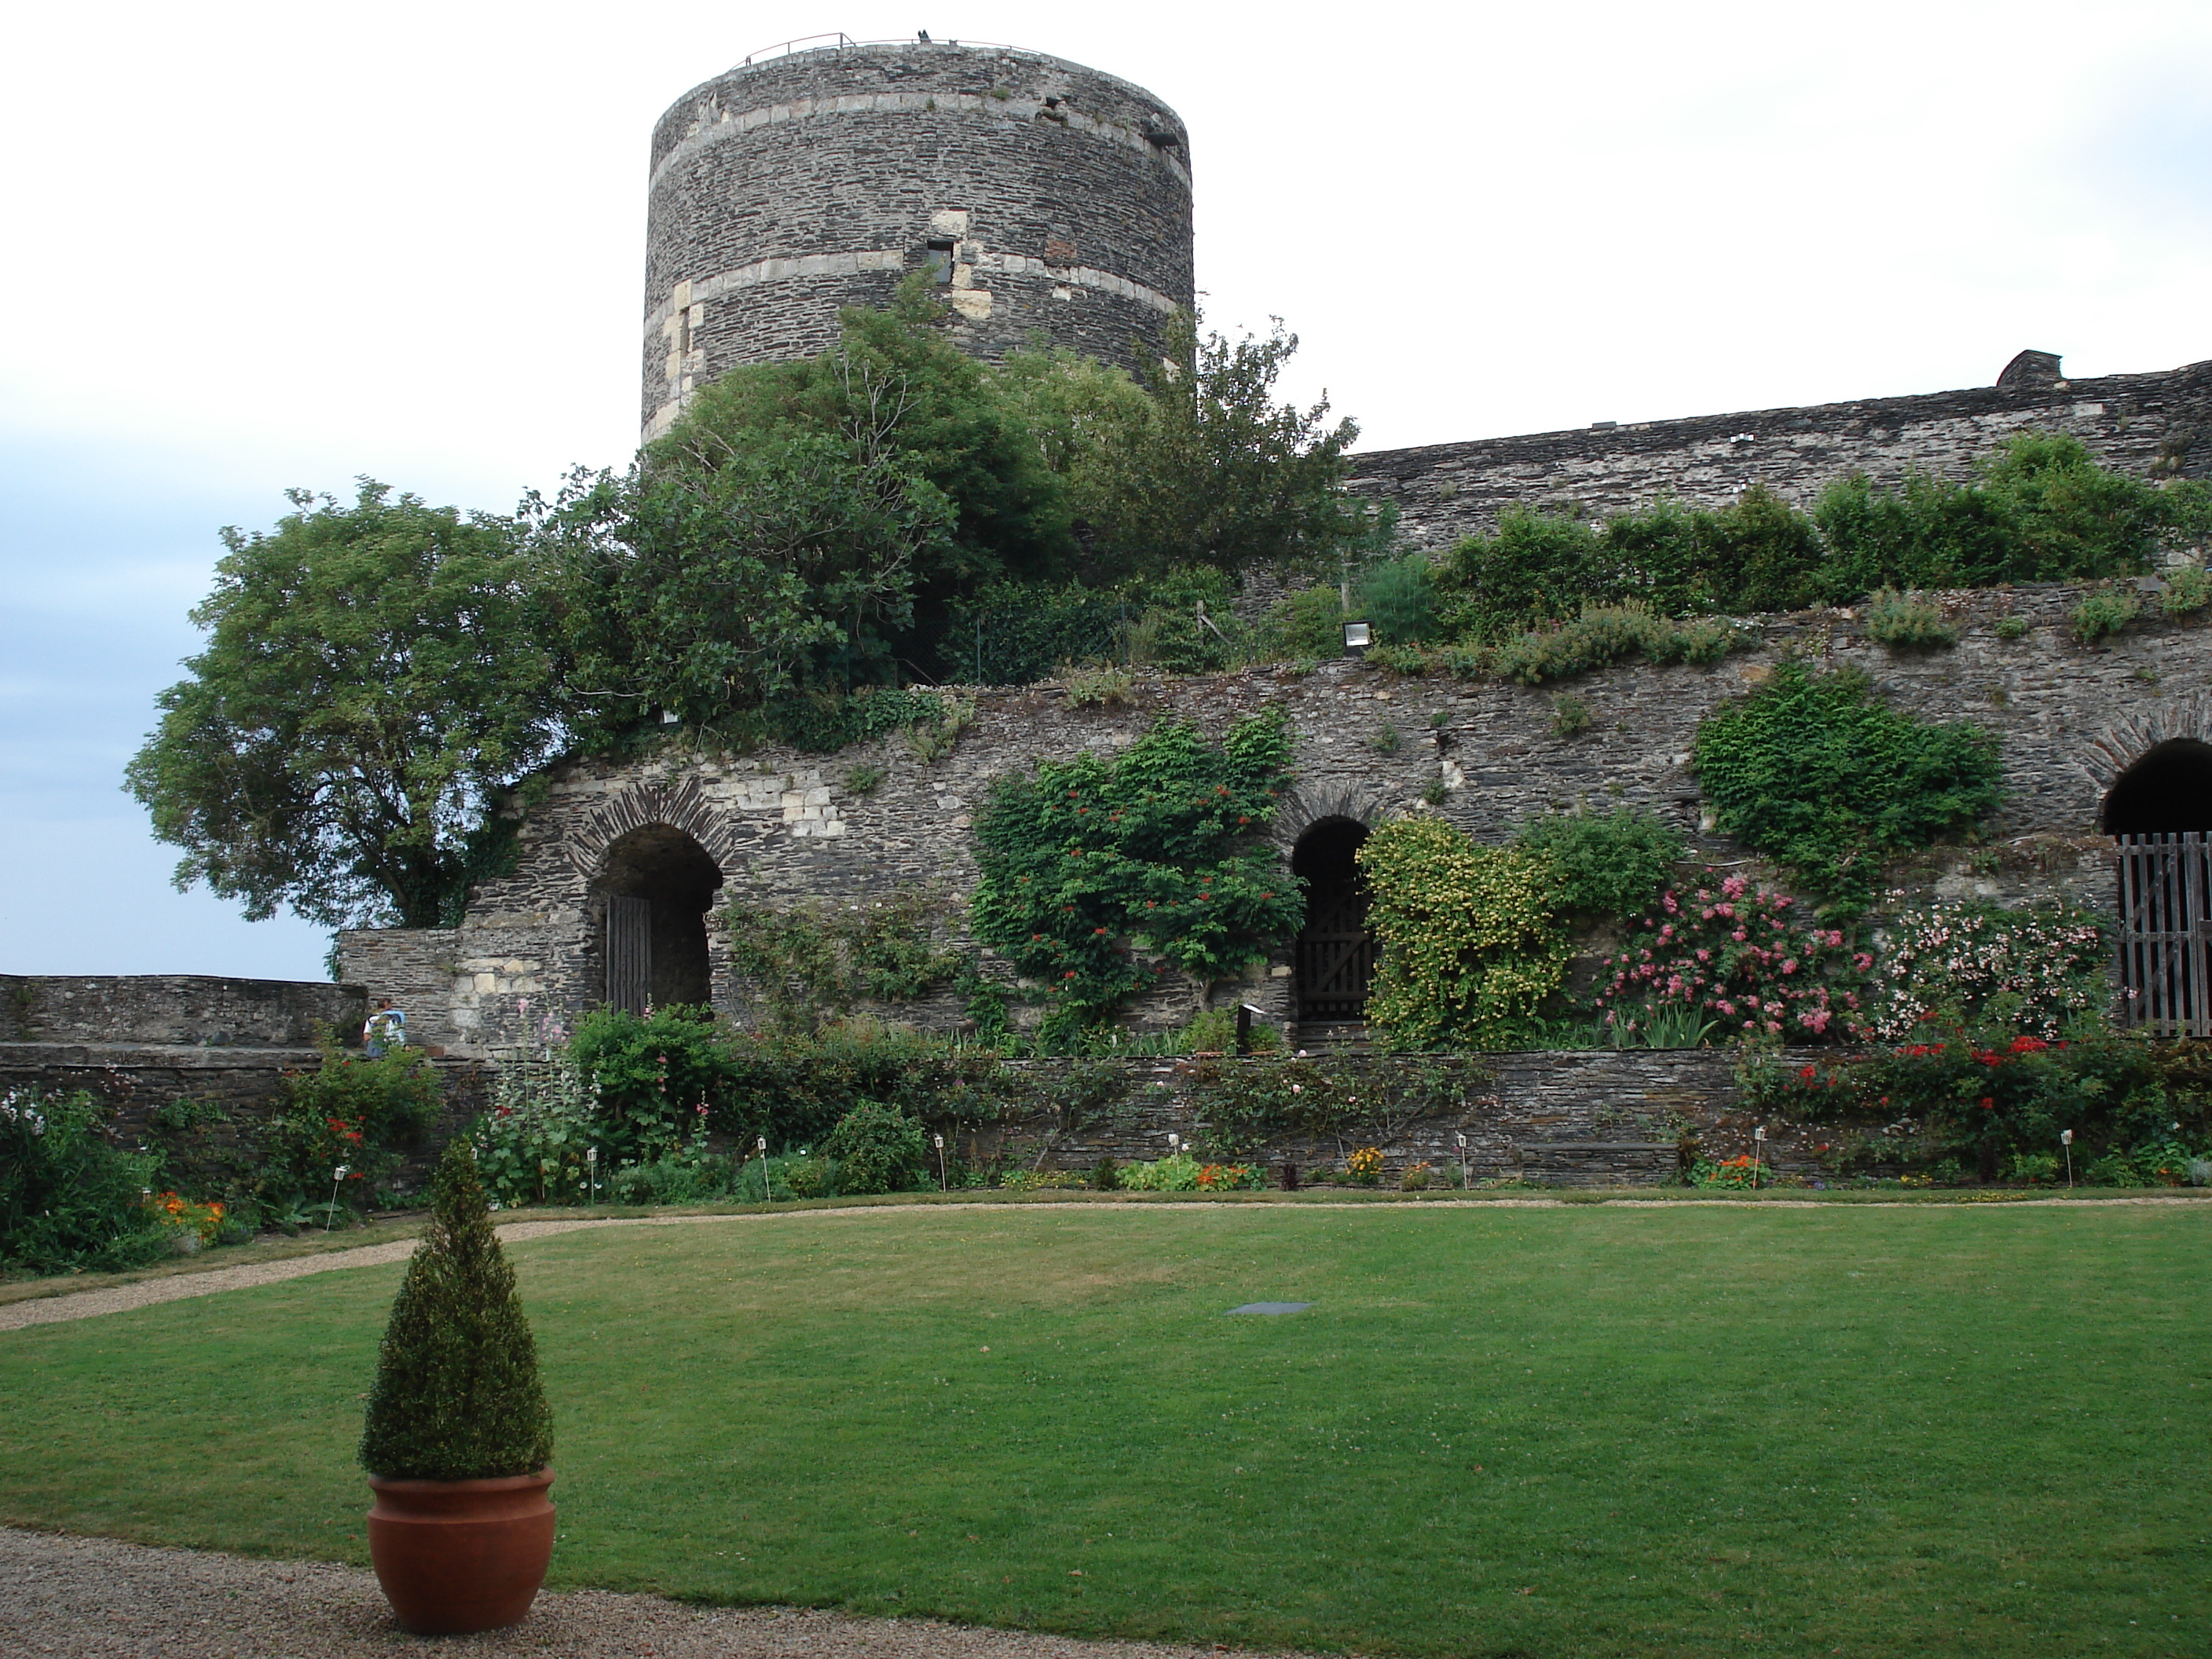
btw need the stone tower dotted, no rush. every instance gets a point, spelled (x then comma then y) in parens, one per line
(1046, 198)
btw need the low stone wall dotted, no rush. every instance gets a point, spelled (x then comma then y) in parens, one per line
(244, 1086)
(1565, 1118)
(176, 1009)
(1569, 1118)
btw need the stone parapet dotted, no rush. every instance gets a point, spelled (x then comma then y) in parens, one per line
(193, 1009)
(2156, 425)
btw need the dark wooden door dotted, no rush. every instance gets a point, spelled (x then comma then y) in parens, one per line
(1336, 958)
(629, 953)
(2166, 932)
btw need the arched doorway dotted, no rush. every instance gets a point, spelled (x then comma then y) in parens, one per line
(656, 887)
(2160, 811)
(1335, 954)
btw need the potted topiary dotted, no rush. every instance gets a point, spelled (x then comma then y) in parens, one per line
(458, 1433)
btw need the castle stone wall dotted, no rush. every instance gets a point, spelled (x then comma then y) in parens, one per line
(197, 1010)
(786, 189)
(783, 827)
(2157, 425)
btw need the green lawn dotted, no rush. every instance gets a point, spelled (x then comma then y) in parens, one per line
(1969, 1430)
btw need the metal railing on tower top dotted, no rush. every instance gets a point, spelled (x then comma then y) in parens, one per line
(837, 40)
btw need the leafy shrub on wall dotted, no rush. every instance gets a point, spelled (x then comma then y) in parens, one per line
(2035, 970)
(1091, 864)
(650, 1074)
(819, 958)
(1609, 864)
(1471, 940)
(1815, 771)
(2039, 509)
(1972, 1093)
(350, 1111)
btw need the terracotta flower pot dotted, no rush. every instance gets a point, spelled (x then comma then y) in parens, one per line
(461, 1555)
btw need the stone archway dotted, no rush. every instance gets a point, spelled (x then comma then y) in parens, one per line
(1335, 957)
(2166, 792)
(655, 888)
(2157, 807)
(1319, 827)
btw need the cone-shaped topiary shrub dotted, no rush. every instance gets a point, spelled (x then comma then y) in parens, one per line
(457, 1395)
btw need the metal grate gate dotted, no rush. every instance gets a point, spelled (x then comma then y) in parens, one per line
(2166, 932)
(629, 953)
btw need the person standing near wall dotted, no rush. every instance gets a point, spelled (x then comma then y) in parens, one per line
(385, 1029)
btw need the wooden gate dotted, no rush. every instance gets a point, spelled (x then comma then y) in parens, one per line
(1336, 958)
(2166, 932)
(629, 953)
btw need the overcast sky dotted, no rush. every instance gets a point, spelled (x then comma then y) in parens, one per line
(250, 246)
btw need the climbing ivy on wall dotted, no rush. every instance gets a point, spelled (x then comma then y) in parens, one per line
(1823, 776)
(1092, 865)
(817, 959)
(1471, 936)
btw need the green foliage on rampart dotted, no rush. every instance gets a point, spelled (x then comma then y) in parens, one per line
(2039, 508)
(1099, 874)
(1819, 774)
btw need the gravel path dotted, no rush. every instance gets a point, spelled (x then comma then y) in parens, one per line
(119, 1299)
(95, 1598)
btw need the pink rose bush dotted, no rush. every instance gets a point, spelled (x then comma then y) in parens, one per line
(1739, 956)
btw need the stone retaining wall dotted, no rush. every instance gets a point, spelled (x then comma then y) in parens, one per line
(2157, 425)
(1572, 1118)
(176, 1009)
(784, 827)
(244, 1086)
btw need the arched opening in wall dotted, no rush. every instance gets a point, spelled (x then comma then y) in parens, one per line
(1336, 953)
(656, 888)
(2160, 811)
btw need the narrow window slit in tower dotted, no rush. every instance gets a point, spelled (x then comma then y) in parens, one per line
(940, 262)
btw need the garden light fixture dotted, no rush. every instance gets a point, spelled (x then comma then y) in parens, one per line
(1464, 1183)
(2066, 1139)
(767, 1187)
(1758, 1153)
(331, 1214)
(1357, 637)
(591, 1176)
(944, 1185)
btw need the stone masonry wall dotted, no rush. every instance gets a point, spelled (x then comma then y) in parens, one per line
(416, 967)
(1059, 196)
(2157, 424)
(175, 1009)
(784, 827)
(1598, 1117)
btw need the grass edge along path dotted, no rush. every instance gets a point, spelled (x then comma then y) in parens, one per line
(1539, 1429)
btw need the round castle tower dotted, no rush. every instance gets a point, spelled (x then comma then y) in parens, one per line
(1044, 196)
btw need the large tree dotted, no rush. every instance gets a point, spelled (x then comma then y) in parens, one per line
(1219, 472)
(375, 676)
